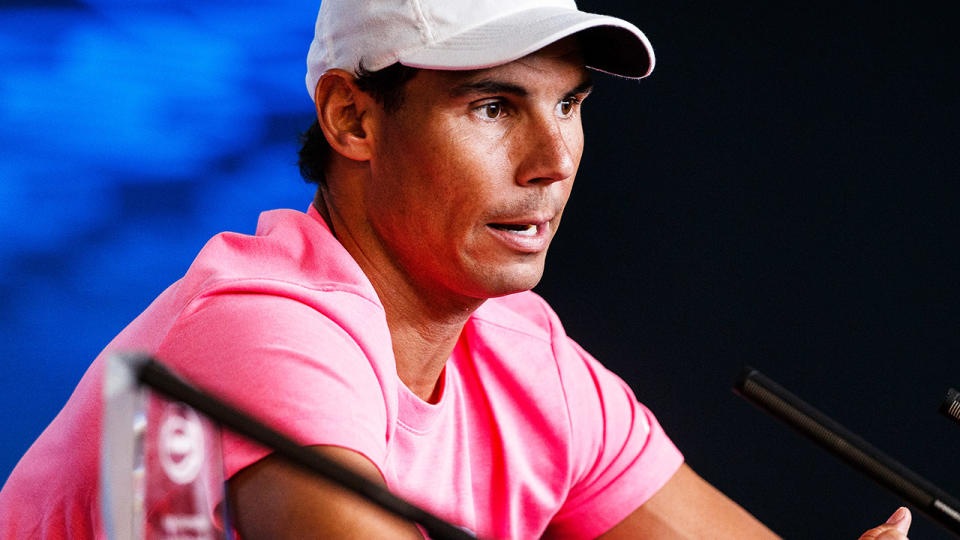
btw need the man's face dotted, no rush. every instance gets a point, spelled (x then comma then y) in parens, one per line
(470, 176)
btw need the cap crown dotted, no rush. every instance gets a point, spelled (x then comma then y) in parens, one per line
(447, 34)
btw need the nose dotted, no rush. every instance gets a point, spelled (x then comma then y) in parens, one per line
(551, 151)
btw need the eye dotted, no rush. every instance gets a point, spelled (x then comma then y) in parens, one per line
(566, 107)
(491, 110)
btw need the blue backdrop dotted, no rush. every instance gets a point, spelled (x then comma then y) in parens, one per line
(130, 132)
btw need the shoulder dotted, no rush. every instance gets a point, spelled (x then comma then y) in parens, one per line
(293, 270)
(265, 320)
(520, 351)
(524, 315)
(522, 334)
(290, 252)
(287, 297)
(524, 325)
(291, 283)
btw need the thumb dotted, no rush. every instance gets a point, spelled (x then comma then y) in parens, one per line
(895, 528)
(900, 521)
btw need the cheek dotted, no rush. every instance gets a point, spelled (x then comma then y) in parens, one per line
(444, 175)
(463, 171)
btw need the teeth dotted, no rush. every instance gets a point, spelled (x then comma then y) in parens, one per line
(523, 230)
(531, 230)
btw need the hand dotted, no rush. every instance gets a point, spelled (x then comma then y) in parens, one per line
(894, 529)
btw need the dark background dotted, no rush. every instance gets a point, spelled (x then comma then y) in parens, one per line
(780, 193)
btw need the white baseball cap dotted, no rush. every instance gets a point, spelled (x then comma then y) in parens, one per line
(466, 34)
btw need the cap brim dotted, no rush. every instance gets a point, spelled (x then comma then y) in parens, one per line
(609, 44)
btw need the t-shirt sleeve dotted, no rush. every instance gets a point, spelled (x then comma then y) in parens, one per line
(620, 456)
(286, 364)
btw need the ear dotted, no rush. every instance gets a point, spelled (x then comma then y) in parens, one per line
(341, 107)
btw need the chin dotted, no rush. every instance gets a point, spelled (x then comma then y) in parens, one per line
(511, 282)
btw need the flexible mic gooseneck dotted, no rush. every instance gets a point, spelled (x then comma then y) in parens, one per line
(841, 442)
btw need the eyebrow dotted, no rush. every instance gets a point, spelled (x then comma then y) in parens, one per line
(585, 87)
(487, 86)
(493, 86)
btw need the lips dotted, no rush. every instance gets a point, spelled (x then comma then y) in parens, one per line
(529, 237)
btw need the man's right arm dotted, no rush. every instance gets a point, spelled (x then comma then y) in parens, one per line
(273, 499)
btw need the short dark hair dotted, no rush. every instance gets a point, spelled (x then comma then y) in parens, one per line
(386, 86)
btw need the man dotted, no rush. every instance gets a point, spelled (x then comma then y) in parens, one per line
(391, 327)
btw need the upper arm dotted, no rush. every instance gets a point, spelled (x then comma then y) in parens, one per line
(287, 365)
(689, 507)
(273, 499)
(300, 371)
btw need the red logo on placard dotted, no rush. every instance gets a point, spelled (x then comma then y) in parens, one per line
(181, 444)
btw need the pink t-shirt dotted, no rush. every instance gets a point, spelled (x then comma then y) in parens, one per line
(530, 437)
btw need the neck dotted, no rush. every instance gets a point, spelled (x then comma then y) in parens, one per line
(423, 340)
(424, 326)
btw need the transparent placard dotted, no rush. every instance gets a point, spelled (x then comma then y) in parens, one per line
(161, 465)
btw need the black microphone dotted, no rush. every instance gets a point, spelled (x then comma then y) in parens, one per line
(844, 444)
(951, 405)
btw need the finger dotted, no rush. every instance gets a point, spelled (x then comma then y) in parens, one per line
(901, 520)
(895, 528)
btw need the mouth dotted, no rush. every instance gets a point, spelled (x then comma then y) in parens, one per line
(522, 229)
(522, 237)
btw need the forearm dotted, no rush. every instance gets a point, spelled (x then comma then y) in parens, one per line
(274, 500)
(689, 507)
